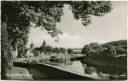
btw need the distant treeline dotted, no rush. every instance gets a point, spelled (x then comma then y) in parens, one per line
(47, 49)
(110, 49)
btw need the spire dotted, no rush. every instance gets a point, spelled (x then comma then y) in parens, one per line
(32, 45)
(44, 43)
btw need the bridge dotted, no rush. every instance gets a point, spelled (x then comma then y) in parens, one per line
(47, 71)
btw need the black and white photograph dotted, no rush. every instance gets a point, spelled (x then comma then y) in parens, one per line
(63, 40)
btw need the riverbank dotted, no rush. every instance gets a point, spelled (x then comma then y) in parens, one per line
(117, 65)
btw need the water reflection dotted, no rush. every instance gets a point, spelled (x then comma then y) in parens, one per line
(85, 69)
(91, 70)
(78, 66)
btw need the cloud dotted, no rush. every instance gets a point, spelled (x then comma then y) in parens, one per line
(37, 36)
(69, 41)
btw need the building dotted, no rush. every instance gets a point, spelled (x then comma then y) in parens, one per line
(76, 50)
(30, 50)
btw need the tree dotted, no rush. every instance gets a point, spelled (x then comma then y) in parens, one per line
(120, 50)
(62, 50)
(85, 9)
(92, 49)
(70, 51)
(49, 49)
(86, 50)
(96, 48)
(18, 16)
(56, 50)
(109, 51)
(5, 51)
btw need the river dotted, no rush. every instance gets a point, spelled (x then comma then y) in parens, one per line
(91, 70)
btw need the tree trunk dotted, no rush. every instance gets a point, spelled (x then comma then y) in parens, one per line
(6, 52)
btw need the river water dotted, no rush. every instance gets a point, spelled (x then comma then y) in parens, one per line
(91, 70)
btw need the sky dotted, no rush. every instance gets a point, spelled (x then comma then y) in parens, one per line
(110, 27)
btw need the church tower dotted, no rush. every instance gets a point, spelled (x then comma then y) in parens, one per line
(32, 46)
